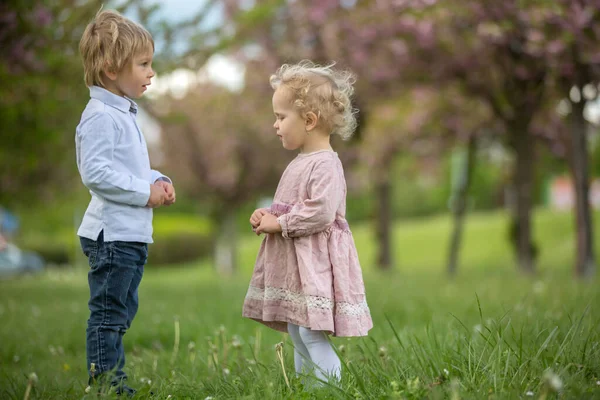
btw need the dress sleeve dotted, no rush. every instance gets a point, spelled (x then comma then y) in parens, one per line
(317, 212)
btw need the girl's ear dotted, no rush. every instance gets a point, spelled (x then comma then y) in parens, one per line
(310, 121)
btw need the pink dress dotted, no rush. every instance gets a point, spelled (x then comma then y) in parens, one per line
(309, 274)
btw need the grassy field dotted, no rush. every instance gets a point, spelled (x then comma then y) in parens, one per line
(489, 333)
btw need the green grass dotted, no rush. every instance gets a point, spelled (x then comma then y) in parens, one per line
(489, 333)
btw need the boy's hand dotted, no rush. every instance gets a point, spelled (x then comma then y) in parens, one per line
(169, 191)
(257, 216)
(268, 224)
(157, 196)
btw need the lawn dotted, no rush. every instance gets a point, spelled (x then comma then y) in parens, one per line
(488, 333)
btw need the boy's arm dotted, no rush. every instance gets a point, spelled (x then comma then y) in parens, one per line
(98, 138)
(157, 176)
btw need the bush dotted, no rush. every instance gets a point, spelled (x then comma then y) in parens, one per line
(178, 248)
(177, 238)
(180, 238)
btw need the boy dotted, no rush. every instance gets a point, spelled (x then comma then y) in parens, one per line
(112, 158)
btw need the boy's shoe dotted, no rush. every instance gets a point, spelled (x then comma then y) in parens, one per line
(123, 389)
(119, 389)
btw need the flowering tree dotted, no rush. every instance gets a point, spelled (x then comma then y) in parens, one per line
(221, 149)
(571, 48)
(40, 97)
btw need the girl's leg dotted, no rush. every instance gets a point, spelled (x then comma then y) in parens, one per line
(301, 356)
(321, 354)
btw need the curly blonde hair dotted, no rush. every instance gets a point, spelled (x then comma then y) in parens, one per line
(111, 41)
(322, 90)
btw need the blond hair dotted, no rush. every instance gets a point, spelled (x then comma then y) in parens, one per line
(111, 41)
(322, 90)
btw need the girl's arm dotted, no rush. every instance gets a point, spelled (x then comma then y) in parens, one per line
(317, 213)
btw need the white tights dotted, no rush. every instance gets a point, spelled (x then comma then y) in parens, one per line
(312, 349)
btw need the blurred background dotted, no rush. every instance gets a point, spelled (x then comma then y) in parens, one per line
(473, 178)
(471, 108)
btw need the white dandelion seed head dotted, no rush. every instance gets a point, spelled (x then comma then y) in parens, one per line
(529, 394)
(553, 380)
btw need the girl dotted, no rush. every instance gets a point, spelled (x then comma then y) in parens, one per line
(307, 279)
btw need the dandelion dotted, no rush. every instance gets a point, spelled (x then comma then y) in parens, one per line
(169, 397)
(279, 352)
(382, 352)
(529, 394)
(33, 379)
(176, 343)
(598, 383)
(553, 381)
(446, 372)
(539, 287)
(236, 342)
(88, 390)
(191, 346)
(208, 398)
(226, 371)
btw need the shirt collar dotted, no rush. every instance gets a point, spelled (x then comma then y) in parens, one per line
(124, 104)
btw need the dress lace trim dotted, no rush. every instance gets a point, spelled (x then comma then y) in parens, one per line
(311, 302)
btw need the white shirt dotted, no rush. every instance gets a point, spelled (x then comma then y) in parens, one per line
(112, 158)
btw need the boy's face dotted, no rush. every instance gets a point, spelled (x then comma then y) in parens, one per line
(134, 79)
(289, 124)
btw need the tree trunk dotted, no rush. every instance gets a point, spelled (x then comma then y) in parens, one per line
(383, 221)
(459, 204)
(585, 264)
(226, 245)
(521, 232)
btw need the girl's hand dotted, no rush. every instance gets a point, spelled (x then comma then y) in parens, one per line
(256, 217)
(268, 224)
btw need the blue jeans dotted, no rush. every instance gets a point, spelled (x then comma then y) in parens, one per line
(116, 270)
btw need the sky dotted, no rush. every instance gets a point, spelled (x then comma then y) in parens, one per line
(218, 69)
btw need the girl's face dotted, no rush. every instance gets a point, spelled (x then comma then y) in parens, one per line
(289, 124)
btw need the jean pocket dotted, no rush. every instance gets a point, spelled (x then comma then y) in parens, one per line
(90, 249)
(129, 252)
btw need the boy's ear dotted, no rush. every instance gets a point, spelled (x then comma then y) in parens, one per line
(311, 121)
(109, 72)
